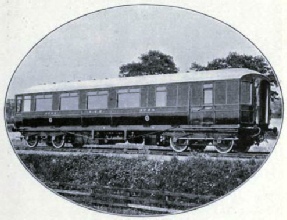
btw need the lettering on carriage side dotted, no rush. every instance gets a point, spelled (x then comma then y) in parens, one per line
(147, 110)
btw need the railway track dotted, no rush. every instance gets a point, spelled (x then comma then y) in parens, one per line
(151, 201)
(134, 151)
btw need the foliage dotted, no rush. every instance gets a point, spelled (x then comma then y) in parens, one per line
(276, 108)
(197, 175)
(152, 63)
(234, 60)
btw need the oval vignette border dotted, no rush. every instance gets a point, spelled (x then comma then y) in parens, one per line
(156, 5)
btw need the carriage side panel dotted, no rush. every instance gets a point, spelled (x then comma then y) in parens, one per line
(83, 99)
(183, 94)
(171, 95)
(144, 96)
(56, 101)
(112, 99)
(151, 96)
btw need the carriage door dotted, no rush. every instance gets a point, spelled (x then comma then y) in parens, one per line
(262, 102)
(208, 104)
(201, 104)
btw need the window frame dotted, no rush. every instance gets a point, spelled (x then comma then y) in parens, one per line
(29, 105)
(129, 91)
(68, 95)
(208, 87)
(46, 97)
(158, 90)
(250, 93)
(97, 94)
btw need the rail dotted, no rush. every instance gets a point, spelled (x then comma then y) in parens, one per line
(154, 201)
(135, 151)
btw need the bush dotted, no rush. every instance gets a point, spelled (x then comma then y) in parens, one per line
(198, 175)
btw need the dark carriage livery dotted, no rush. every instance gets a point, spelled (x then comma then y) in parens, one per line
(227, 108)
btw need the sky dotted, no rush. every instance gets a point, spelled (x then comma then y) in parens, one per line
(96, 45)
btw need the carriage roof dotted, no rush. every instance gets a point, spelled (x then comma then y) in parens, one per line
(198, 76)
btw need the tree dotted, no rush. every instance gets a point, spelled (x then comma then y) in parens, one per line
(234, 60)
(152, 63)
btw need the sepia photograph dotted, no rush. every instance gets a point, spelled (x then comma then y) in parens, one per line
(143, 110)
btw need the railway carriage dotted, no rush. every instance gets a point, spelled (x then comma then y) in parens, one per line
(228, 108)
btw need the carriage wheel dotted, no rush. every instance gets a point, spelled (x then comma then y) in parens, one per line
(224, 146)
(32, 141)
(178, 145)
(58, 141)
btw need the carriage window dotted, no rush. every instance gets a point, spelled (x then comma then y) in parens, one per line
(69, 101)
(43, 102)
(128, 98)
(208, 93)
(246, 93)
(97, 100)
(27, 104)
(160, 96)
(18, 104)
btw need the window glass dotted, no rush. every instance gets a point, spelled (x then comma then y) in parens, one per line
(97, 100)
(208, 93)
(69, 101)
(208, 86)
(134, 90)
(43, 102)
(246, 93)
(161, 88)
(103, 92)
(123, 91)
(160, 97)
(27, 104)
(128, 98)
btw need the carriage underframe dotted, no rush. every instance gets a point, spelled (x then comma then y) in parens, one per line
(179, 138)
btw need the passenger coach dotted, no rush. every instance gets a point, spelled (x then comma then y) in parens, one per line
(227, 108)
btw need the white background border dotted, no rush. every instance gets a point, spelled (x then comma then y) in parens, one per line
(24, 23)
